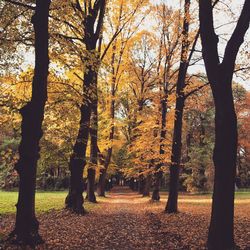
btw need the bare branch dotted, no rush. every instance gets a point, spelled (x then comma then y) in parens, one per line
(195, 90)
(236, 39)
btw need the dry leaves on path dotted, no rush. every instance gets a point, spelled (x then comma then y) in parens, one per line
(126, 221)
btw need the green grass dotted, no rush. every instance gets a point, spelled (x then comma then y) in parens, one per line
(242, 195)
(45, 201)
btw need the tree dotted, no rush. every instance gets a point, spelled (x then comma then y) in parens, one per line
(93, 14)
(242, 103)
(16, 34)
(198, 140)
(186, 85)
(171, 206)
(220, 76)
(142, 71)
(26, 226)
(124, 23)
(168, 54)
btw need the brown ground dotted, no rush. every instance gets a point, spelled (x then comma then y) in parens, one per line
(124, 220)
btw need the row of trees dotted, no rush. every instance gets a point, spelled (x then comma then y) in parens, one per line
(108, 70)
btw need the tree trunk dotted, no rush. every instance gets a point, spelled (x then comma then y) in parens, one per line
(221, 235)
(171, 206)
(220, 76)
(92, 22)
(102, 183)
(91, 185)
(74, 199)
(157, 185)
(93, 154)
(141, 184)
(158, 174)
(26, 226)
(103, 171)
(146, 190)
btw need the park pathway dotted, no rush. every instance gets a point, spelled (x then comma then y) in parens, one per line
(122, 221)
(126, 221)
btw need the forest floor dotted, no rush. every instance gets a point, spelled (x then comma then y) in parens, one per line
(125, 221)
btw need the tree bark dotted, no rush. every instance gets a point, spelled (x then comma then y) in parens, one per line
(221, 229)
(158, 174)
(157, 185)
(172, 206)
(225, 154)
(141, 184)
(146, 190)
(26, 226)
(172, 203)
(93, 22)
(74, 199)
(93, 155)
(102, 183)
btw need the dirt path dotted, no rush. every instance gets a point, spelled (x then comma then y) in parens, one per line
(121, 221)
(125, 221)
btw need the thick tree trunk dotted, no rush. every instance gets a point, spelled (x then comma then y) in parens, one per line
(26, 226)
(74, 199)
(172, 206)
(221, 235)
(220, 76)
(101, 187)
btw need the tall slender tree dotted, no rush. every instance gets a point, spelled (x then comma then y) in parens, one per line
(123, 26)
(103, 171)
(27, 225)
(168, 51)
(220, 74)
(179, 107)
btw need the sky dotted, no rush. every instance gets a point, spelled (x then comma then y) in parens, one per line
(221, 17)
(231, 12)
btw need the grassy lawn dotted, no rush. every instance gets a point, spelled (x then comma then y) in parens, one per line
(241, 194)
(241, 197)
(238, 195)
(45, 201)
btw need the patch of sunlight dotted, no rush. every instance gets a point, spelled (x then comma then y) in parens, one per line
(237, 201)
